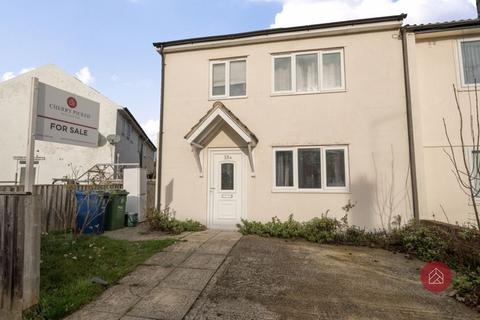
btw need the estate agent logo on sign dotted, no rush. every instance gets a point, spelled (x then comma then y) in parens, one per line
(66, 118)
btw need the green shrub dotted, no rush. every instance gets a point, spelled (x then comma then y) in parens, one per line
(322, 230)
(423, 242)
(467, 286)
(164, 220)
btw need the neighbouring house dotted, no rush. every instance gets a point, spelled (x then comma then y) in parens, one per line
(440, 56)
(305, 120)
(58, 161)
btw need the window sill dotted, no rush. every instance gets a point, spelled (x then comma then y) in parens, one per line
(313, 191)
(281, 94)
(468, 88)
(226, 98)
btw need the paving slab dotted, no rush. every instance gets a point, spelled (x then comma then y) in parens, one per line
(92, 315)
(184, 246)
(145, 278)
(168, 259)
(116, 300)
(217, 247)
(164, 304)
(186, 278)
(203, 261)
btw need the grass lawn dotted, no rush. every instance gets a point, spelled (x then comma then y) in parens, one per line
(67, 266)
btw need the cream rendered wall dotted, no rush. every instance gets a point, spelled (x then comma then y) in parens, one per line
(14, 104)
(369, 117)
(437, 70)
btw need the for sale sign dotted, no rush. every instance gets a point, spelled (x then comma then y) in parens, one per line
(66, 118)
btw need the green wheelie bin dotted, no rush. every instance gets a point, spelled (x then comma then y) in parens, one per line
(115, 213)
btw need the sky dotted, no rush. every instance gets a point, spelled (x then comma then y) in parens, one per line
(107, 44)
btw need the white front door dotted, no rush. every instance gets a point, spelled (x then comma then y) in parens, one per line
(226, 188)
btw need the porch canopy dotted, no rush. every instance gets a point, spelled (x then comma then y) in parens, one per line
(210, 124)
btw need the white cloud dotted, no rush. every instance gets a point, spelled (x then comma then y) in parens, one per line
(85, 76)
(7, 76)
(151, 128)
(10, 75)
(303, 12)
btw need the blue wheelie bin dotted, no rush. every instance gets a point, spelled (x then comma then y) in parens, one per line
(91, 207)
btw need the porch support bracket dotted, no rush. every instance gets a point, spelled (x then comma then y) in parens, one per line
(250, 159)
(196, 149)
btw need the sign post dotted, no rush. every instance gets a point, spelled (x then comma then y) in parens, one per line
(29, 172)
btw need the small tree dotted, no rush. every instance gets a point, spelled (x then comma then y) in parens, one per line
(466, 172)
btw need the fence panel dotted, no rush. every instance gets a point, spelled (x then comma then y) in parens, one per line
(150, 194)
(58, 205)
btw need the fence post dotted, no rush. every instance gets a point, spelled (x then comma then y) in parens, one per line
(19, 253)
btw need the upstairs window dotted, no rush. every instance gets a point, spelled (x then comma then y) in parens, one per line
(470, 62)
(318, 71)
(228, 78)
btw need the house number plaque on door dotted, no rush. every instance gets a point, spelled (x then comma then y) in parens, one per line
(227, 157)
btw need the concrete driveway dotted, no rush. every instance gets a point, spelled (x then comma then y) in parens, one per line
(265, 278)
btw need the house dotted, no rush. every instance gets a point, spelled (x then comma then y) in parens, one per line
(58, 161)
(301, 120)
(305, 120)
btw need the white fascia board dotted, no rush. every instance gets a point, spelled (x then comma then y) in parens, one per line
(227, 119)
(371, 27)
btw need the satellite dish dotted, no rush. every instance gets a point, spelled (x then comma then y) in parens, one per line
(113, 138)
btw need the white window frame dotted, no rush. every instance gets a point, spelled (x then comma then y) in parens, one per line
(460, 62)
(323, 151)
(293, 57)
(227, 78)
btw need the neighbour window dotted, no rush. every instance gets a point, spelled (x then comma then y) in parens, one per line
(308, 72)
(129, 130)
(470, 61)
(476, 171)
(228, 78)
(319, 168)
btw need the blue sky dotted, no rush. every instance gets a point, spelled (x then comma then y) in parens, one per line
(113, 38)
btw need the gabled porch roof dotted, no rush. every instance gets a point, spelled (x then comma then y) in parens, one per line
(211, 122)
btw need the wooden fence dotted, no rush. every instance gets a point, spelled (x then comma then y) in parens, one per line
(19, 253)
(150, 194)
(57, 202)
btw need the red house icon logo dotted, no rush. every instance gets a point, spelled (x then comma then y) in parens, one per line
(436, 276)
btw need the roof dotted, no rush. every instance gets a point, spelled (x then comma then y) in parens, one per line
(444, 26)
(267, 32)
(220, 106)
(132, 118)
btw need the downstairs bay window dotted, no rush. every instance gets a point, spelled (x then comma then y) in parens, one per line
(311, 168)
